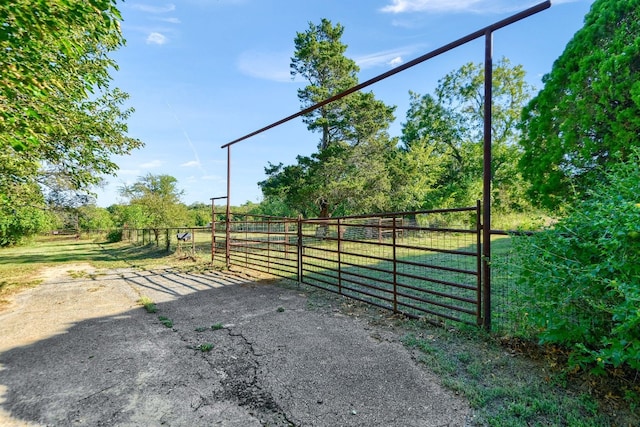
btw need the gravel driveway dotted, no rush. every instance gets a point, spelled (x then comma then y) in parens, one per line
(222, 350)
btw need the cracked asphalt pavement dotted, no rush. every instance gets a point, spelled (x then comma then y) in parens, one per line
(222, 350)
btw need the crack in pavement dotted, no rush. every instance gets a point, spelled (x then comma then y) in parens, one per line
(243, 383)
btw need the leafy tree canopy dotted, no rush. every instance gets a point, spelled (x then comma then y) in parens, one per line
(588, 114)
(158, 197)
(443, 139)
(320, 59)
(348, 173)
(60, 123)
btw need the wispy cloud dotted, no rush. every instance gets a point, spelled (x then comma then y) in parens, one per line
(168, 20)
(155, 35)
(391, 58)
(217, 3)
(191, 164)
(169, 7)
(265, 65)
(211, 178)
(196, 179)
(157, 38)
(274, 66)
(151, 164)
(458, 6)
(396, 61)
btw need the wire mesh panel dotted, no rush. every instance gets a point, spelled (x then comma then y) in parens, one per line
(265, 244)
(424, 264)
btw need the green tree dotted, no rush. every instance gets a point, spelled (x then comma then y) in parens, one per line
(443, 139)
(159, 198)
(22, 214)
(59, 120)
(320, 59)
(581, 278)
(348, 172)
(92, 217)
(51, 49)
(588, 113)
(199, 214)
(128, 216)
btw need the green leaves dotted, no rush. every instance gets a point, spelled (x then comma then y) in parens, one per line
(154, 202)
(588, 111)
(584, 274)
(443, 136)
(349, 172)
(60, 124)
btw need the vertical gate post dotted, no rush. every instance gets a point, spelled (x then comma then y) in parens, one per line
(487, 176)
(246, 242)
(268, 244)
(479, 263)
(228, 222)
(339, 257)
(299, 266)
(213, 229)
(395, 267)
(193, 242)
(213, 226)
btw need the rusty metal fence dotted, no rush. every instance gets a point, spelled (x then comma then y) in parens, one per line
(262, 243)
(423, 264)
(182, 240)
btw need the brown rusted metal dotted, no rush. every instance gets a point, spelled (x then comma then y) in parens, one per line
(479, 265)
(228, 213)
(213, 226)
(486, 180)
(361, 266)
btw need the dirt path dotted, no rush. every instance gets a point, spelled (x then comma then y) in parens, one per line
(80, 351)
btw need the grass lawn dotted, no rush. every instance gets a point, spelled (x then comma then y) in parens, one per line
(20, 265)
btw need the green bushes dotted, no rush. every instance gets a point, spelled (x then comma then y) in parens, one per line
(583, 275)
(114, 236)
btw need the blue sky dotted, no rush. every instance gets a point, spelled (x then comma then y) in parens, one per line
(202, 73)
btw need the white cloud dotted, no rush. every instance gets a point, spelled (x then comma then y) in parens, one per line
(265, 65)
(563, 1)
(157, 38)
(396, 61)
(152, 164)
(169, 20)
(457, 6)
(387, 57)
(211, 178)
(191, 164)
(154, 9)
(217, 3)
